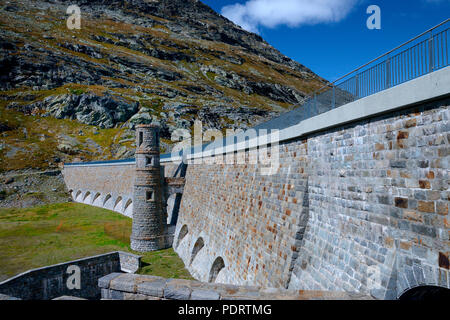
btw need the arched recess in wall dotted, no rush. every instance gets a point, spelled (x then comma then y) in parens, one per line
(96, 198)
(86, 197)
(199, 244)
(118, 203)
(128, 208)
(426, 293)
(77, 195)
(217, 266)
(107, 198)
(183, 232)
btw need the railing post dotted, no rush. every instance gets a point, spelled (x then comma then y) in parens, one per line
(388, 73)
(333, 98)
(357, 86)
(446, 47)
(431, 52)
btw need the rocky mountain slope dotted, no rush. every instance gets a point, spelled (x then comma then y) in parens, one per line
(77, 94)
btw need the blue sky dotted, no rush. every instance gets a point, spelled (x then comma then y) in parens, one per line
(330, 36)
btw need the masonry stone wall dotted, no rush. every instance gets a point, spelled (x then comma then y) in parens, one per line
(361, 207)
(253, 222)
(118, 286)
(378, 205)
(51, 282)
(108, 186)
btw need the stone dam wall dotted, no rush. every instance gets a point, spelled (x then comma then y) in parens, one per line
(378, 195)
(359, 202)
(108, 185)
(358, 207)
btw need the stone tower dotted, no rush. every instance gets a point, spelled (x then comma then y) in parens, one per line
(149, 227)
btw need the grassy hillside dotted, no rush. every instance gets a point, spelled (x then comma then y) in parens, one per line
(33, 141)
(76, 94)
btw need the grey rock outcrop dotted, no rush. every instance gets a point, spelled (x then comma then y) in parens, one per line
(103, 112)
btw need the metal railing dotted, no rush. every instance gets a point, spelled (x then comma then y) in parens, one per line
(426, 53)
(419, 56)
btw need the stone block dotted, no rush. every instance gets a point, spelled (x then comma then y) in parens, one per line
(105, 294)
(426, 206)
(200, 294)
(124, 282)
(104, 282)
(442, 208)
(401, 202)
(173, 292)
(153, 288)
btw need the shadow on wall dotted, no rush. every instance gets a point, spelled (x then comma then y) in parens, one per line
(181, 170)
(199, 244)
(173, 208)
(183, 232)
(173, 200)
(217, 266)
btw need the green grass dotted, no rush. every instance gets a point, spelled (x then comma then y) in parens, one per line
(46, 235)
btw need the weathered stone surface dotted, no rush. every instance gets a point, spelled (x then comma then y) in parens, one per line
(150, 288)
(175, 292)
(153, 286)
(129, 262)
(96, 274)
(199, 294)
(104, 282)
(123, 282)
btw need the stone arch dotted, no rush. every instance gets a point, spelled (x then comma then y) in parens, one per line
(422, 276)
(77, 195)
(96, 197)
(86, 195)
(426, 293)
(199, 244)
(107, 198)
(216, 267)
(128, 210)
(118, 204)
(183, 232)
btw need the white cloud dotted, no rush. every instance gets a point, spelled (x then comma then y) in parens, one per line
(293, 13)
